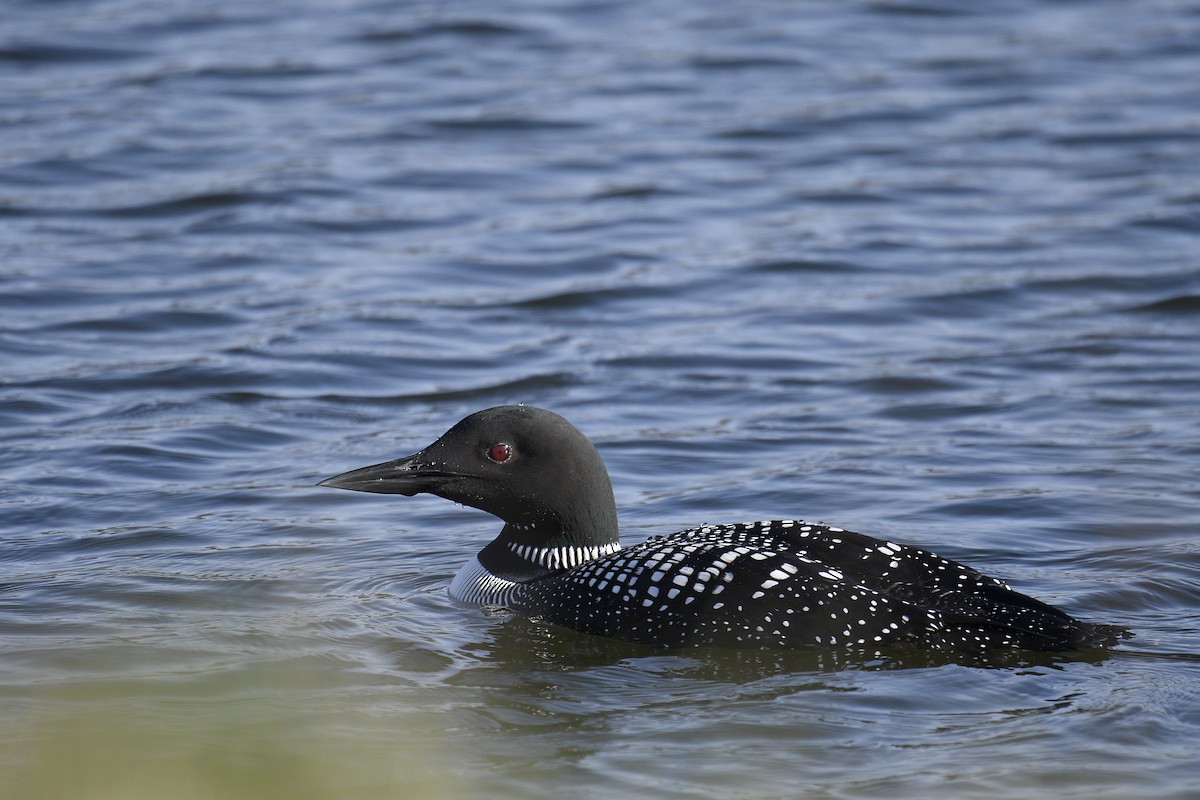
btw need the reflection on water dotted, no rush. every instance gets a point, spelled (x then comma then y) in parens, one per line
(273, 731)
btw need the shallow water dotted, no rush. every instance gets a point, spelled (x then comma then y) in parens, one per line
(919, 270)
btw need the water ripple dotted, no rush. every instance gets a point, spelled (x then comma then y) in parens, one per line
(922, 269)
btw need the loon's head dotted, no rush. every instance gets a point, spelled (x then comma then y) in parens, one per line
(528, 466)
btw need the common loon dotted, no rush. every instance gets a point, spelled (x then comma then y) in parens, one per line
(774, 584)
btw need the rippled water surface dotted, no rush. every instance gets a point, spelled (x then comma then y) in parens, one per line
(927, 270)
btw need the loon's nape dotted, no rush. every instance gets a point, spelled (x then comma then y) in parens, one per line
(772, 584)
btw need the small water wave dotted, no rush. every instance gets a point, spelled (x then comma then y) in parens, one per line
(886, 264)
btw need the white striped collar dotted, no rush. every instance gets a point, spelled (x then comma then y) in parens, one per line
(562, 557)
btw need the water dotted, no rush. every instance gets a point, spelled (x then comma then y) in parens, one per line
(920, 269)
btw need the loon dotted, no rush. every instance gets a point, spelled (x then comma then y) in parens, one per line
(773, 584)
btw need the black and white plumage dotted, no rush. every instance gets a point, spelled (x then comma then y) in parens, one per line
(773, 584)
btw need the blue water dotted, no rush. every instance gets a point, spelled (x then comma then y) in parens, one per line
(926, 270)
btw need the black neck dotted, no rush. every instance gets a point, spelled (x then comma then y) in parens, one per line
(523, 552)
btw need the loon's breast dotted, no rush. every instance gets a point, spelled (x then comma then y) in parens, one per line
(476, 585)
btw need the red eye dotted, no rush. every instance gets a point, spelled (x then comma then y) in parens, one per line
(499, 453)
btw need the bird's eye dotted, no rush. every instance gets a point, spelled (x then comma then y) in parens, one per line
(499, 452)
